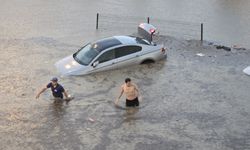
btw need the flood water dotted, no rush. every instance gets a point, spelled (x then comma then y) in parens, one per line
(189, 102)
(225, 21)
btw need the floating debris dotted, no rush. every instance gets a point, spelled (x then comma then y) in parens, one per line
(200, 54)
(91, 120)
(237, 47)
(247, 70)
(223, 47)
(88, 129)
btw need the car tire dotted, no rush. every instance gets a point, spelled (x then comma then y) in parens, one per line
(148, 61)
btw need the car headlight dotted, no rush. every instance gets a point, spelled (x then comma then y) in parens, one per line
(67, 66)
(71, 64)
(74, 63)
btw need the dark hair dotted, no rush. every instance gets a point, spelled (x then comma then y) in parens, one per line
(127, 80)
(55, 79)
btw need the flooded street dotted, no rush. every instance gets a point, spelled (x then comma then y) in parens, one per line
(189, 101)
(225, 21)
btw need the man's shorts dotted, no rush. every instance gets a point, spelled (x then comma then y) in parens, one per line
(132, 103)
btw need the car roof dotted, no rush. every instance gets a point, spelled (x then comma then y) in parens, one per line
(131, 40)
(102, 44)
(126, 39)
(108, 42)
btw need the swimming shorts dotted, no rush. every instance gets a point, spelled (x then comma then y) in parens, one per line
(132, 103)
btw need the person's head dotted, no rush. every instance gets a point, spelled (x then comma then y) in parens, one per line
(128, 81)
(54, 80)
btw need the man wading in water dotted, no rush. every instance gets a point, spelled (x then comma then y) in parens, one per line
(131, 91)
(56, 88)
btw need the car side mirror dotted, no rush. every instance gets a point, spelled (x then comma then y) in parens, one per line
(95, 64)
(153, 43)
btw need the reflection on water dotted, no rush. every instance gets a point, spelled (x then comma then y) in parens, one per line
(58, 110)
(130, 116)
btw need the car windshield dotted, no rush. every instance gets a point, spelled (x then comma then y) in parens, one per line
(86, 54)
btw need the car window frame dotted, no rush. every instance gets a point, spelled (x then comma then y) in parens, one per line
(106, 51)
(116, 57)
(79, 60)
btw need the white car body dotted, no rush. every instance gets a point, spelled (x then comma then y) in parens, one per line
(113, 52)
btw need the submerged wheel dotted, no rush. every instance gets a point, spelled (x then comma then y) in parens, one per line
(148, 61)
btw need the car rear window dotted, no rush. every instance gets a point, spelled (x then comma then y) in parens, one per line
(126, 50)
(141, 41)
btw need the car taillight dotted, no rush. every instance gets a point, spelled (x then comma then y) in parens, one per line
(152, 30)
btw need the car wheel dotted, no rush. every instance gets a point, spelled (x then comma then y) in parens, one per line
(148, 61)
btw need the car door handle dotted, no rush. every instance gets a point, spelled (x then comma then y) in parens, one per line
(113, 63)
(137, 55)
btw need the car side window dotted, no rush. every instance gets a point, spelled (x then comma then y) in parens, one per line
(106, 56)
(126, 50)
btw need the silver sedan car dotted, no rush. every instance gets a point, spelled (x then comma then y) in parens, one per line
(110, 53)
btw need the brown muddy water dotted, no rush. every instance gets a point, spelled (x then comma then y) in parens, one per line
(189, 101)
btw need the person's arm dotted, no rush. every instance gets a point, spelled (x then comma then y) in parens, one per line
(40, 92)
(121, 93)
(138, 92)
(65, 93)
(137, 89)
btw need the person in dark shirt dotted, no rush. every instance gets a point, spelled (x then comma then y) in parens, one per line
(56, 88)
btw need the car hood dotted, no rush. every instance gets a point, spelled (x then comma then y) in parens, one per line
(68, 66)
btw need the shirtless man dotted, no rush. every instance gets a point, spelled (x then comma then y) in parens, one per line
(131, 91)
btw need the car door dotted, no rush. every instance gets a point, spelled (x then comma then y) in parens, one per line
(127, 55)
(104, 62)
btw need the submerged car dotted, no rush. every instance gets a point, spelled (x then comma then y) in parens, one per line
(111, 53)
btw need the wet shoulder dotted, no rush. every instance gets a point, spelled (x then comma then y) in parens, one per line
(123, 86)
(134, 85)
(60, 86)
